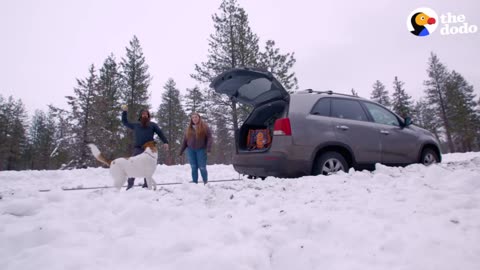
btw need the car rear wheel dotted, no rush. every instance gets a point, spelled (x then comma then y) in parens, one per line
(429, 157)
(329, 163)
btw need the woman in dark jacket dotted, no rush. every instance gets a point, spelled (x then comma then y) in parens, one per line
(197, 141)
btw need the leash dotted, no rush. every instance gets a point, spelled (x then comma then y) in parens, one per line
(160, 184)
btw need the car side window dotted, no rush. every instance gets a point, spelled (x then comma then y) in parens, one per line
(322, 107)
(348, 109)
(381, 115)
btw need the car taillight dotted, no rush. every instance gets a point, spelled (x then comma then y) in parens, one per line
(282, 127)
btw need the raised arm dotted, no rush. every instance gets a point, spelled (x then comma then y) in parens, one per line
(125, 119)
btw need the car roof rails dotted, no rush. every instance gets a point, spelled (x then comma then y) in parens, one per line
(310, 91)
(328, 92)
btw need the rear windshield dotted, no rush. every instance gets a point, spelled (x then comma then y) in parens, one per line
(259, 90)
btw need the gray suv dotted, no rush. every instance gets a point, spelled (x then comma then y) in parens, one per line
(311, 132)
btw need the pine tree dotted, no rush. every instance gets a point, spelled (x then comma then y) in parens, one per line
(13, 133)
(380, 94)
(222, 149)
(41, 137)
(461, 112)
(232, 45)
(18, 140)
(436, 92)
(402, 103)
(279, 65)
(195, 101)
(425, 117)
(62, 155)
(4, 129)
(136, 81)
(82, 105)
(477, 138)
(172, 120)
(107, 109)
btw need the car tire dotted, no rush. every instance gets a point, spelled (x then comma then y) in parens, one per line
(429, 157)
(329, 163)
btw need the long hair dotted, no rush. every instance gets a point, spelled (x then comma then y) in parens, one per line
(201, 128)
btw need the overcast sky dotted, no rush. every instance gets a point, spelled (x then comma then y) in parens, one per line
(339, 45)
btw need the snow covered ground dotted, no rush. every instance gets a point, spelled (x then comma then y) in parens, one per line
(393, 218)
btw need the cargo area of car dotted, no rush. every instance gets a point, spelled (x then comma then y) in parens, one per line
(256, 133)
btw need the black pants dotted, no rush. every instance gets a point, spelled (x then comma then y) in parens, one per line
(136, 151)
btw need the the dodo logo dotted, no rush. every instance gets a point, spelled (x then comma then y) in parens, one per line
(422, 22)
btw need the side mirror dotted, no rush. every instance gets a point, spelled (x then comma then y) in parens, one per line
(408, 121)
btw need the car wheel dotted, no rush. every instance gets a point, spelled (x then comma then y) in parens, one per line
(330, 163)
(429, 157)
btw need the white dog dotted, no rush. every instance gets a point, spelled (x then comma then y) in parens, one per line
(141, 166)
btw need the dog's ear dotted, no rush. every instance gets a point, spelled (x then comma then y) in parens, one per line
(151, 144)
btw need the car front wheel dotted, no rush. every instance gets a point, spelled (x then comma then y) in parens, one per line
(429, 157)
(329, 163)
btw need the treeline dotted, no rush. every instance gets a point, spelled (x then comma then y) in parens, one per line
(448, 108)
(57, 139)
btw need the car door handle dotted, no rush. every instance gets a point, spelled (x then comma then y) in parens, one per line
(385, 132)
(342, 127)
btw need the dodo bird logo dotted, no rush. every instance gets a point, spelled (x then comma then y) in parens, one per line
(422, 22)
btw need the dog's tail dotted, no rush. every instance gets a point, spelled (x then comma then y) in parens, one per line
(98, 155)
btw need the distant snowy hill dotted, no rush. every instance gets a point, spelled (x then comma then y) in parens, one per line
(393, 218)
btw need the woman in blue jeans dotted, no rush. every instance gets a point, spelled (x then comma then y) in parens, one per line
(197, 141)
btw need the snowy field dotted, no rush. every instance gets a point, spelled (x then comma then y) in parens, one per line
(393, 218)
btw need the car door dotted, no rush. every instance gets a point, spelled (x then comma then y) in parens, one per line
(399, 145)
(249, 86)
(352, 128)
(317, 127)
